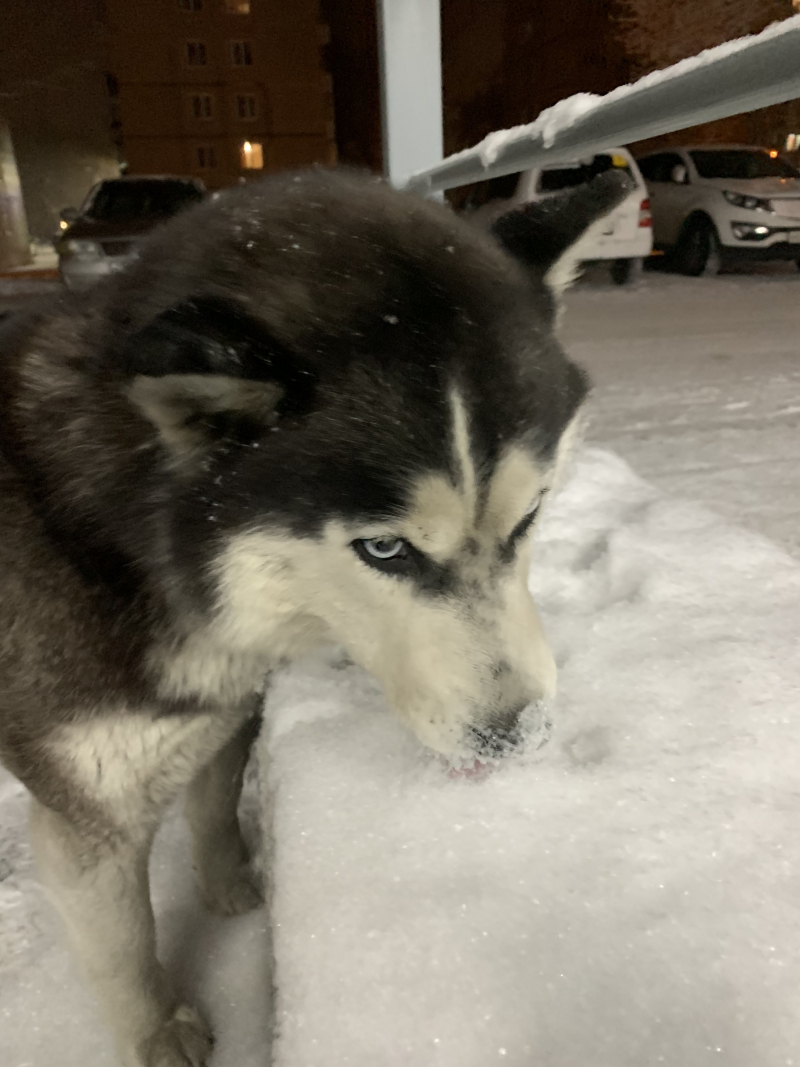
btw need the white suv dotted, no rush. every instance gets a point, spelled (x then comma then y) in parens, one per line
(723, 203)
(623, 239)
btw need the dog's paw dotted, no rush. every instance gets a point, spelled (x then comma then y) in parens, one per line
(182, 1041)
(239, 891)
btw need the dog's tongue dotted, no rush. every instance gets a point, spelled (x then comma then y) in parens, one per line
(475, 770)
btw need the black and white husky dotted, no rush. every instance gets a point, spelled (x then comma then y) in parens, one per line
(314, 410)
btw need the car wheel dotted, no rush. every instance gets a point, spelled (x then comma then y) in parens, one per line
(626, 271)
(699, 252)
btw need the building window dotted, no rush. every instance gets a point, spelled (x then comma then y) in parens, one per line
(190, 5)
(195, 53)
(202, 105)
(246, 106)
(241, 55)
(206, 157)
(237, 7)
(251, 155)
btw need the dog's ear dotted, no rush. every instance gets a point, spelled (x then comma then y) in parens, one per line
(191, 411)
(206, 370)
(542, 234)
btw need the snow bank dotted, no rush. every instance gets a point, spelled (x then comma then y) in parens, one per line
(628, 896)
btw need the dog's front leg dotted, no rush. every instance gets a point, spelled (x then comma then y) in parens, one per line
(100, 886)
(228, 885)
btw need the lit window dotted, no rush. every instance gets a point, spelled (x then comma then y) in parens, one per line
(195, 53)
(206, 157)
(241, 55)
(245, 106)
(251, 155)
(190, 5)
(237, 7)
(792, 142)
(202, 106)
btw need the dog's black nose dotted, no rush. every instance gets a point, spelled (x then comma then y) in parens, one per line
(500, 735)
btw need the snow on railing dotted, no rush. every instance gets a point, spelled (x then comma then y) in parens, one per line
(738, 76)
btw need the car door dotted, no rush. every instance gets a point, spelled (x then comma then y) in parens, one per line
(668, 198)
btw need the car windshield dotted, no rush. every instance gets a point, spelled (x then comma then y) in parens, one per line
(552, 181)
(739, 163)
(119, 201)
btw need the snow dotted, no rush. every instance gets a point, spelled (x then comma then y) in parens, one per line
(697, 385)
(547, 124)
(707, 56)
(627, 895)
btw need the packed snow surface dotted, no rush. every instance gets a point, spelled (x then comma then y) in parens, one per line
(628, 895)
(638, 881)
(697, 385)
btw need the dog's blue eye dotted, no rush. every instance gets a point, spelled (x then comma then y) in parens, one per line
(384, 547)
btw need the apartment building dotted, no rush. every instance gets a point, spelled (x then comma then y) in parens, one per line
(223, 90)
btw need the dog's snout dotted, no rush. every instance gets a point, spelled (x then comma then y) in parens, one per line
(501, 734)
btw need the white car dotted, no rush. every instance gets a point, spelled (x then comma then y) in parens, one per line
(719, 204)
(623, 239)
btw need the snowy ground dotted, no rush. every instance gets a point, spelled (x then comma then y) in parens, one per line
(637, 885)
(698, 387)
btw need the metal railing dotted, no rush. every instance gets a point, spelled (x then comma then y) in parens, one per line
(741, 75)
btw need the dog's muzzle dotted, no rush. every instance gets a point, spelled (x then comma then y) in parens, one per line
(510, 732)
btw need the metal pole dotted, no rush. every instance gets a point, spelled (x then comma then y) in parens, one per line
(14, 242)
(409, 49)
(735, 77)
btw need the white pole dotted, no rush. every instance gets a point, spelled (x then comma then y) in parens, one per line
(409, 48)
(734, 77)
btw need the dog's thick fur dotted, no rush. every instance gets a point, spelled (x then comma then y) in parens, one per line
(203, 462)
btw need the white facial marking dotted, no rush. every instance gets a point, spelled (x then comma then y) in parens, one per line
(462, 453)
(568, 442)
(438, 517)
(514, 489)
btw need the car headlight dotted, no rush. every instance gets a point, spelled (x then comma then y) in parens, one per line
(752, 203)
(73, 246)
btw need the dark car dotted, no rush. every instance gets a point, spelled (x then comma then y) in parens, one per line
(100, 237)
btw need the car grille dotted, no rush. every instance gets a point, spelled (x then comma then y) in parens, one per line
(117, 248)
(790, 209)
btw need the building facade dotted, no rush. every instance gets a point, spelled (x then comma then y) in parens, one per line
(223, 90)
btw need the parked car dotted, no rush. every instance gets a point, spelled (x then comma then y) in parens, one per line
(623, 240)
(100, 237)
(719, 204)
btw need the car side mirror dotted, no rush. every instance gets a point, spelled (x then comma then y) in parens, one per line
(69, 215)
(679, 174)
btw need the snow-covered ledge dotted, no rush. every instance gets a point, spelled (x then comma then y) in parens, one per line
(738, 76)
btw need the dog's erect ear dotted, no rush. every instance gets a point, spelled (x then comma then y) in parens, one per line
(542, 233)
(207, 370)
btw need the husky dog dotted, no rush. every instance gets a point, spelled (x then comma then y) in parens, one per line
(315, 409)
